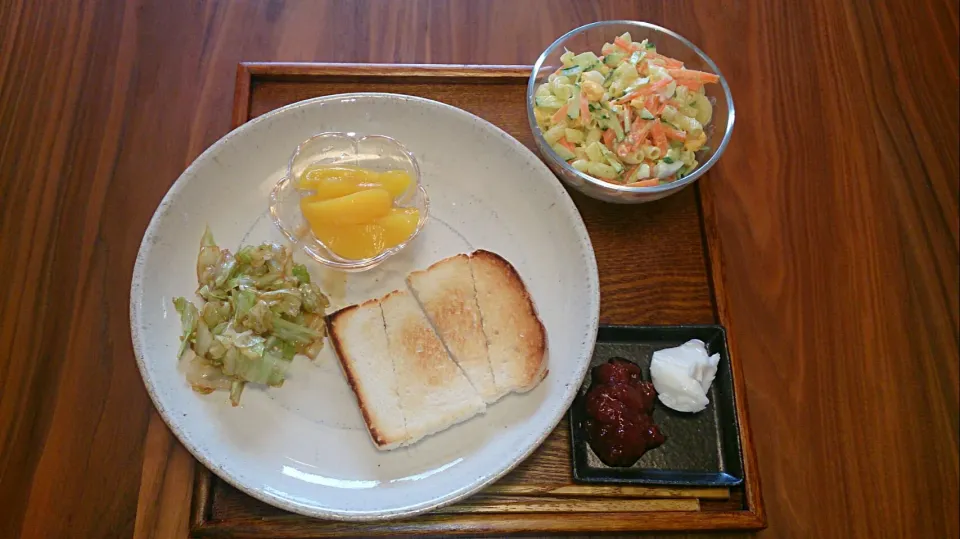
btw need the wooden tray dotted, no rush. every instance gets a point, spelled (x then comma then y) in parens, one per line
(656, 267)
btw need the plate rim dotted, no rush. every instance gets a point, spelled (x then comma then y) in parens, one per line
(135, 316)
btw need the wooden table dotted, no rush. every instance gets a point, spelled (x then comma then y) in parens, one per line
(840, 232)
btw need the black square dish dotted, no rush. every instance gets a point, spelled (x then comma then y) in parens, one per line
(702, 449)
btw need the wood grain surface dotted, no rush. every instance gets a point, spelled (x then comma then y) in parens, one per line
(837, 206)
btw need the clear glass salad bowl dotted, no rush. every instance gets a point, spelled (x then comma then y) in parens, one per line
(375, 152)
(591, 37)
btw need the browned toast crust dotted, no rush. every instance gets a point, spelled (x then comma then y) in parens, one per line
(331, 320)
(534, 371)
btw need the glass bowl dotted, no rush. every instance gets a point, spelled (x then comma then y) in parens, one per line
(375, 152)
(591, 37)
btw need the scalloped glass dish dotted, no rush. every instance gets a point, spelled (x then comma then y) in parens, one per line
(374, 152)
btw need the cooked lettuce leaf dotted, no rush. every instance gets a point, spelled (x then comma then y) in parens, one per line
(260, 310)
(300, 272)
(236, 388)
(188, 322)
(293, 332)
(207, 259)
(313, 299)
(259, 318)
(285, 301)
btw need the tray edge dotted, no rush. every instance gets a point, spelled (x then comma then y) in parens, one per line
(753, 518)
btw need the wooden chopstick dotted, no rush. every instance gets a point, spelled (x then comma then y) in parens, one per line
(608, 491)
(545, 505)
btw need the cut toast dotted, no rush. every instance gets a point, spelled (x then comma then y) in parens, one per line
(446, 293)
(359, 339)
(516, 338)
(434, 392)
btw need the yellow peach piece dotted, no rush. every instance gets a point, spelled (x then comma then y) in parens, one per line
(398, 226)
(335, 182)
(353, 209)
(395, 181)
(354, 242)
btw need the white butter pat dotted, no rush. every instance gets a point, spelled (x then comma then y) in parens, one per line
(682, 375)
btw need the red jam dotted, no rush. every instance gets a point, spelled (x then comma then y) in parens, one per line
(619, 404)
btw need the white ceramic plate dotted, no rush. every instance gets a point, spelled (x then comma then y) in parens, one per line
(304, 447)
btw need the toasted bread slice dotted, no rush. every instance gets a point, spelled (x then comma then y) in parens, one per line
(434, 393)
(516, 338)
(359, 338)
(445, 292)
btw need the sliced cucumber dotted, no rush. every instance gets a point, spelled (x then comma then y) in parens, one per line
(585, 60)
(704, 109)
(601, 170)
(571, 71)
(563, 152)
(595, 152)
(563, 92)
(573, 105)
(613, 59)
(581, 164)
(614, 123)
(593, 135)
(611, 159)
(554, 134)
(548, 102)
(574, 135)
(625, 74)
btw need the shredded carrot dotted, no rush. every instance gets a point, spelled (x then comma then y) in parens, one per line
(674, 134)
(645, 90)
(584, 110)
(652, 182)
(651, 104)
(608, 137)
(624, 44)
(662, 83)
(690, 75)
(631, 96)
(659, 138)
(566, 144)
(560, 114)
(630, 172)
(638, 132)
(640, 126)
(663, 105)
(691, 84)
(667, 61)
